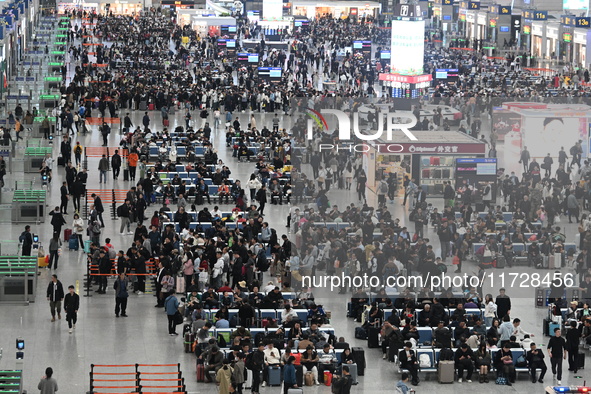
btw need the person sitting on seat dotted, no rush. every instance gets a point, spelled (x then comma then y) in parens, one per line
(408, 360)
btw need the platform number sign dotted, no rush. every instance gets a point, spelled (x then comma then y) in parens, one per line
(407, 10)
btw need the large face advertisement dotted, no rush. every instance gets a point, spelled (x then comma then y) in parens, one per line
(407, 47)
(543, 135)
(272, 9)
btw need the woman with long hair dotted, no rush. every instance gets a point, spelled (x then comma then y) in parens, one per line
(48, 384)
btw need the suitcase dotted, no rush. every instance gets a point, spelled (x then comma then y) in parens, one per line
(60, 161)
(359, 355)
(151, 107)
(545, 261)
(189, 339)
(165, 122)
(67, 234)
(180, 284)
(87, 246)
(500, 261)
(581, 361)
(545, 326)
(352, 371)
(327, 378)
(295, 391)
(557, 261)
(248, 382)
(373, 337)
(126, 174)
(445, 372)
(73, 243)
(274, 376)
(299, 375)
(143, 105)
(200, 372)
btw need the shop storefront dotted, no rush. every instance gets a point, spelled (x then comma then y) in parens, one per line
(481, 26)
(337, 9)
(538, 39)
(431, 160)
(580, 47)
(209, 25)
(88, 7)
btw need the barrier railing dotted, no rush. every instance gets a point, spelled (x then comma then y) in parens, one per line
(133, 375)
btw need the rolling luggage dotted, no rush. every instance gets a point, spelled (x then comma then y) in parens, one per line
(274, 375)
(151, 107)
(67, 234)
(200, 372)
(60, 161)
(359, 355)
(87, 246)
(557, 261)
(143, 105)
(180, 284)
(248, 381)
(295, 391)
(299, 375)
(373, 337)
(73, 243)
(500, 261)
(165, 122)
(43, 261)
(189, 339)
(581, 361)
(126, 174)
(545, 327)
(445, 372)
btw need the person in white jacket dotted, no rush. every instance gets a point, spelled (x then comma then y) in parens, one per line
(253, 184)
(490, 310)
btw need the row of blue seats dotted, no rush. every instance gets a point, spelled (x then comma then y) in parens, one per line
(205, 226)
(194, 215)
(181, 151)
(570, 248)
(227, 332)
(434, 354)
(212, 190)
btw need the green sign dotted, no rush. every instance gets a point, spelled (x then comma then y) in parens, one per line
(55, 64)
(53, 79)
(61, 36)
(62, 28)
(39, 119)
(59, 43)
(49, 97)
(58, 52)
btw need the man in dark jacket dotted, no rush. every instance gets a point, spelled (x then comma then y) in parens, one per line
(408, 360)
(261, 197)
(535, 360)
(71, 306)
(121, 295)
(57, 220)
(116, 164)
(464, 360)
(98, 205)
(27, 239)
(104, 269)
(55, 296)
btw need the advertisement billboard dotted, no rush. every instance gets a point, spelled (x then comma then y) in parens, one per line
(409, 46)
(575, 4)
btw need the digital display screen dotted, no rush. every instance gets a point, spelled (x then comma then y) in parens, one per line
(253, 57)
(231, 44)
(504, 29)
(486, 168)
(357, 45)
(232, 29)
(272, 9)
(385, 55)
(445, 73)
(272, 74)
(446, 17)
(409, 46)
(575, 4)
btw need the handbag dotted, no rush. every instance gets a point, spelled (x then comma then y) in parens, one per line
(501, 380)
(455, 260)
(178, 318)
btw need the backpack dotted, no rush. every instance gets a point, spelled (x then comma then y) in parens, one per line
(226, 268)
(446, 354)
(573, 150)
(360, 333)
(521, 362)
(249, 363)
(383, 187)
(112, 253)
(22, 237)
(221, 341)
(337, 384)
(424, 361)
(262, 262)
(120, 210)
